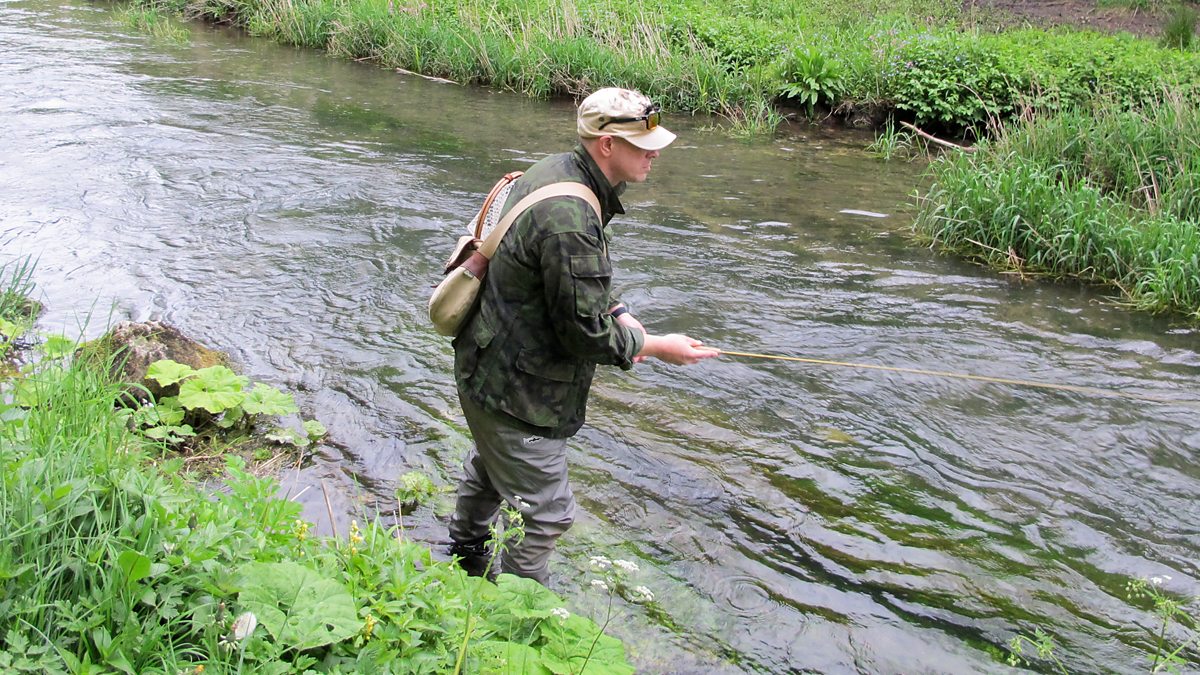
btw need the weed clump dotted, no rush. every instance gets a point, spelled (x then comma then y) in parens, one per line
(1180, 27)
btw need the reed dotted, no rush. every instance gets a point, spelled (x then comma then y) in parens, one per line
(1101, 194)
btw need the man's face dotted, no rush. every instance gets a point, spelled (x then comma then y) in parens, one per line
(630, 163)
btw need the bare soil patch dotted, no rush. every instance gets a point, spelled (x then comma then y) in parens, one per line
(1077, 13)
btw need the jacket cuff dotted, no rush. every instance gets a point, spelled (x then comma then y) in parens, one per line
(637, 340)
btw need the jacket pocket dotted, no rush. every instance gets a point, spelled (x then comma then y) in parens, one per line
(592, 275)
(469, 345)
(542, 390)
(590, 267)
(536, 363)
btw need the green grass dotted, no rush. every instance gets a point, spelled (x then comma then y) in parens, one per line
(921, 59)
(112, 561)
(17, 310)
(1101, 194)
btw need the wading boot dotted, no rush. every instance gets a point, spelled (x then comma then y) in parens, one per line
(474, 557)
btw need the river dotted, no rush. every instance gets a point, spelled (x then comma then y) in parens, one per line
(293, 209)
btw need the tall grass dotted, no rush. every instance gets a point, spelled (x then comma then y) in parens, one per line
(16, 285)
(1101, 194)
(17, 310)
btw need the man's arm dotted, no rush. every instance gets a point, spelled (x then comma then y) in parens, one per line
(576, 275)
(677, 349)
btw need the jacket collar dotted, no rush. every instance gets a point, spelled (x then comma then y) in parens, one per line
(608, 194)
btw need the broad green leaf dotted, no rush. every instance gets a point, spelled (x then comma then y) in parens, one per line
(526, 598)
(508, 658)
(135, 565)
(28, 392)
(287, 437)
(267, 400)
(169, 433)
(567, 645)
(315, 430)
(214, 389)
(167, 372)
(166, 411)
(300, 608)
(58, 346)
(231, 417)
(9, 329)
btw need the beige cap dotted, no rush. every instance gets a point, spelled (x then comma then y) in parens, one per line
(603, 106)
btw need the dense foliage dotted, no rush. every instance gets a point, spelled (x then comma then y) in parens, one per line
(1099, 193)
(112, 561)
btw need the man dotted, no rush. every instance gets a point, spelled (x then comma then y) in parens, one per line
(524, 362)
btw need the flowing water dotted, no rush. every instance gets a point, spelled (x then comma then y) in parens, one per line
(293, 209)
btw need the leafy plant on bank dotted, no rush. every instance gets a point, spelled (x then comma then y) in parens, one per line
(111, 563)
(1100, 194)
(215, 397)
(811, 78)
(17, 311)
(715, 59)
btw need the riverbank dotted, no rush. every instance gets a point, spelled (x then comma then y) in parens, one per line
(927, 61)
(946, 68)
(1104, 195)
(112, 559)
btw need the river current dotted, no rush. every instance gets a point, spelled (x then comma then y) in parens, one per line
(293, 210)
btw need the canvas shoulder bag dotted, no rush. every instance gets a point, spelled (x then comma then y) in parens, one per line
(456, 297)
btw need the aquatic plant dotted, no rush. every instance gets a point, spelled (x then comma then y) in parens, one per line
(1170, 611)
(891, 143)
(155, 20)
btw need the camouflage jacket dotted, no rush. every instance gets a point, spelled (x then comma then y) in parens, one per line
(529, 353)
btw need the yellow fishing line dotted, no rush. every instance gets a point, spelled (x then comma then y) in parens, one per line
(966, 376)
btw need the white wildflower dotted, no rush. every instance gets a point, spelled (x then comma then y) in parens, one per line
(1157, 581)
(599, 583)
(626, 565)
(643, 594)
(244, 625)
(561, 613)
(600, 562)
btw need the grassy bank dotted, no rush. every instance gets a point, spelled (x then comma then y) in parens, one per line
(110, 561)
(1098, 193)
(920, 59)
(1072, 208)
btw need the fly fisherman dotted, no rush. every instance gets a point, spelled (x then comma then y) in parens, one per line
(524, 362)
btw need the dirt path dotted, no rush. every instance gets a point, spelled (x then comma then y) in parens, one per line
(1079, 13)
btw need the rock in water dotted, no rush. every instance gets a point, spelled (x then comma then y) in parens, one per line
(134, 346)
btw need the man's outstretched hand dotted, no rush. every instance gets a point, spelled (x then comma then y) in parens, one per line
(679, 350)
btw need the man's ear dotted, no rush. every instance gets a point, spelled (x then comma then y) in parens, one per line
(605, 145)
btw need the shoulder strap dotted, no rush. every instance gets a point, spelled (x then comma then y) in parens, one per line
(565, 189)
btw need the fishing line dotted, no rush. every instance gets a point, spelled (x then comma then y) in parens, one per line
(966, 376)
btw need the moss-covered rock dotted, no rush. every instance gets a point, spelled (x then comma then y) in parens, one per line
(131, 348)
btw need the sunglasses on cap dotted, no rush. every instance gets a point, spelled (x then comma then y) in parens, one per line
(652, 116)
